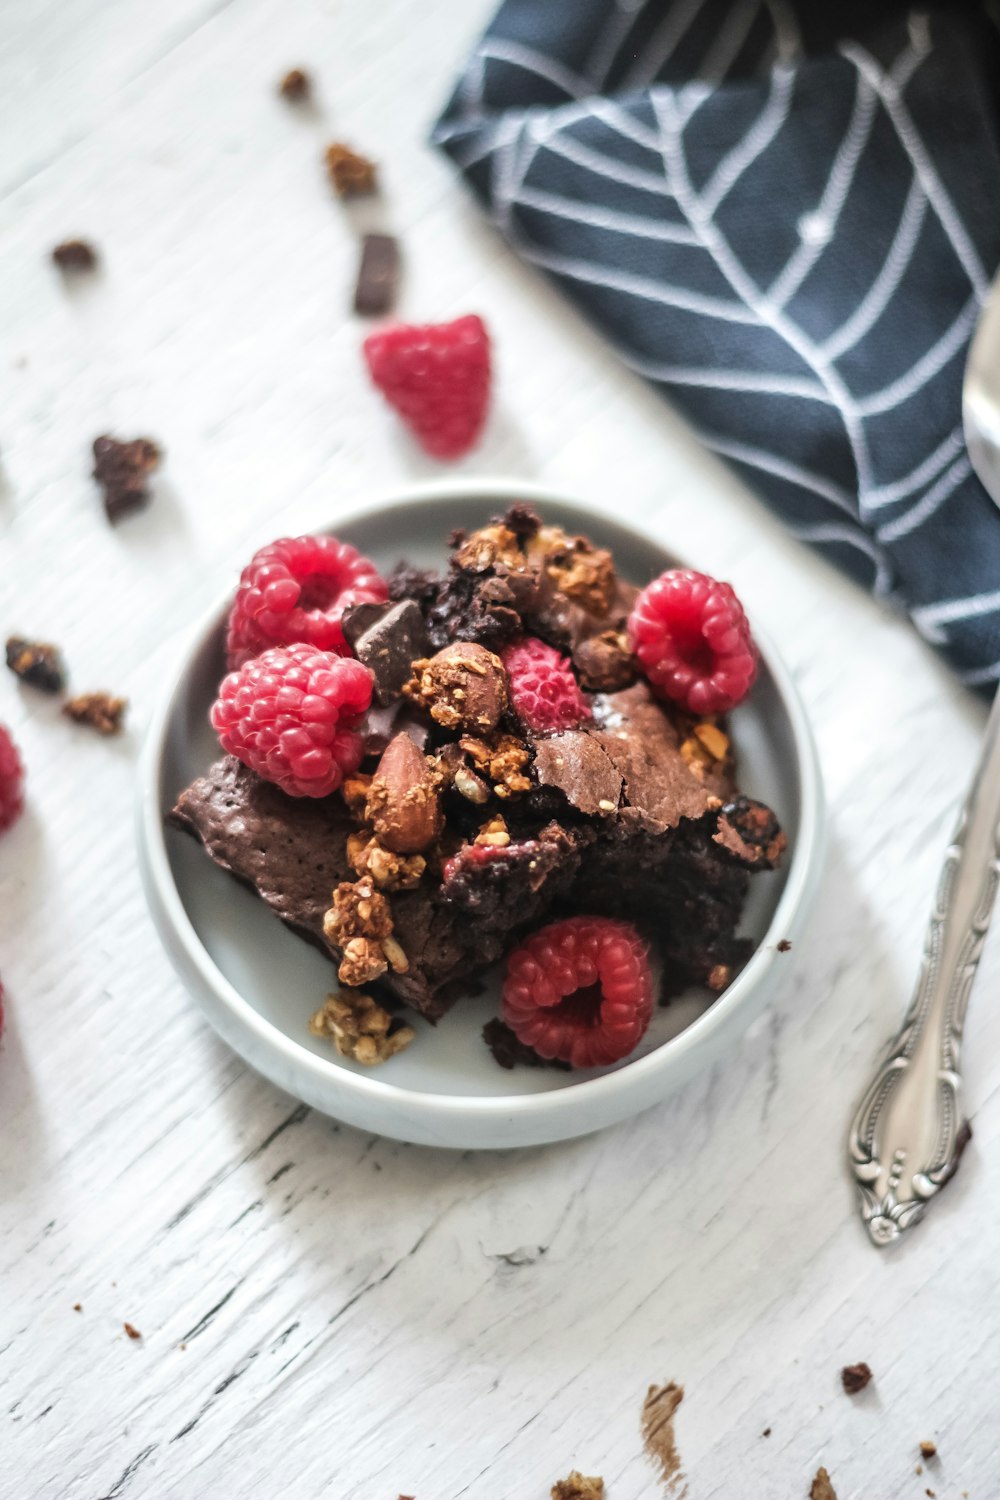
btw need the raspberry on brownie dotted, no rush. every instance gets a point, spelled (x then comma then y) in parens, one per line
(298, 589)
(544, 693)
(580, 990)
(292, 715)
(693, 642)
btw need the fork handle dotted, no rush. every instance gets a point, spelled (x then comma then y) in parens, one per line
(908, 1131)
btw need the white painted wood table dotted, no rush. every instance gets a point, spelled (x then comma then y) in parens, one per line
(324, 1314)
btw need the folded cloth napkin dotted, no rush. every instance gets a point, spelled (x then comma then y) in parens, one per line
(786, 216)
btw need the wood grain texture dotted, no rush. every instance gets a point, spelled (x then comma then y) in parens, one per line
(323, 1314)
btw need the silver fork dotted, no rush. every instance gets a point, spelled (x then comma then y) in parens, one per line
(909, 1131)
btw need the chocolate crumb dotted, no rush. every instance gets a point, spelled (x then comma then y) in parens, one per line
(122, 471)
(522, 519)
(78, 1307)
(821, 1488)
(784, 946)
(510, 1052)
(855, 1377)
(378, 275)
(99, 710)
(928, 1449)
(766, 1432)
(36, 663)
(75, 255)
(931, 1493)
(182, 1346)
(132, 1331)
(578, 1487)
(351, 174)
(751, 833)
(295, 86)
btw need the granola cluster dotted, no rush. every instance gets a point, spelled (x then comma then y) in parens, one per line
(577, 568)
(361, 1029)
(579, 1487)
(359, 923)
(100, 711)
(351, 174)
(494, 834)
(463, 687)
(477, 768)
(604, 663)
(705, 748)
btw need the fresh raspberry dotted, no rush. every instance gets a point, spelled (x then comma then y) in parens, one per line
(543, 691)
(11, 781)
(693, 641)
(291, 715)
(297, 589)
(437, 376)
(580, 990)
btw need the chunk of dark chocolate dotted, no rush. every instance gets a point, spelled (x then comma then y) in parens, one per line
(386, 638)
(378, 275)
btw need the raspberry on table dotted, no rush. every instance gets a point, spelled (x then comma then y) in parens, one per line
(437, 376)
(544, 693)
(580, 990)
(292, 716)
(11, 781)
(693, 641)
(297, 589)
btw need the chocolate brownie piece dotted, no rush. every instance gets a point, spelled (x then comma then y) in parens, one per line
(292, 852)
(575, 765)
(642, 743)
(634, 813)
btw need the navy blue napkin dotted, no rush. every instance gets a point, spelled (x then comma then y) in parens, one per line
(787, 221)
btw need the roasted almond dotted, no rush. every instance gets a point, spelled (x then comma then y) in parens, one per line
(404, 804)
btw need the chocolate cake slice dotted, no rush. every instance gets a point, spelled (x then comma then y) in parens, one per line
(673, 844)
(466, 828)
(292, 852)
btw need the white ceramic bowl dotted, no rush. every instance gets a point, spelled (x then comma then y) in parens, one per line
(258, 983)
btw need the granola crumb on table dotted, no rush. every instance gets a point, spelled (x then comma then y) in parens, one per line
(99, 711)
(351, 174)
(579, 1487)
(296, 85)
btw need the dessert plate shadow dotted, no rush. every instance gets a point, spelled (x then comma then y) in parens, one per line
(258, 983)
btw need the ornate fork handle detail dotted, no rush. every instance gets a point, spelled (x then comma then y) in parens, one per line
(908, 1132)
